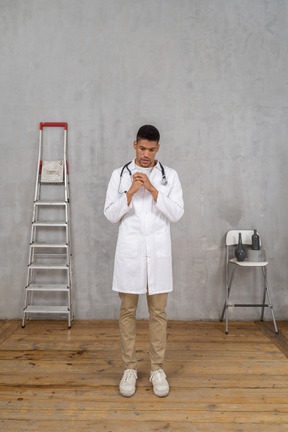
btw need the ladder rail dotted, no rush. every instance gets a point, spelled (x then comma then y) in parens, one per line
(65, 166)
(38, 165)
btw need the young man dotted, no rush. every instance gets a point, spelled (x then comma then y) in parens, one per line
(144, 197)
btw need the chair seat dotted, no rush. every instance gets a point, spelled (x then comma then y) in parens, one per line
(247, 263)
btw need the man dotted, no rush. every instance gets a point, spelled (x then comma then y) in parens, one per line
(144, 197)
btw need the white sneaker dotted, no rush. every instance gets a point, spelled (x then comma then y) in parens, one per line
(160, 384)
(128, 383)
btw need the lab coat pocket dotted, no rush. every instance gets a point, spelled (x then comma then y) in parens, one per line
(127, 246)
(162, 244)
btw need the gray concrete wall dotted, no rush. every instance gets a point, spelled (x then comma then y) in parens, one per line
(210, 74)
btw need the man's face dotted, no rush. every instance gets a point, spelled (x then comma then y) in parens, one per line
(145, 152)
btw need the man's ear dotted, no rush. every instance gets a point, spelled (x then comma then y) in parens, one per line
(134, 145)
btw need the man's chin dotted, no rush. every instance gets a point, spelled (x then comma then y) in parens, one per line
(145, 164)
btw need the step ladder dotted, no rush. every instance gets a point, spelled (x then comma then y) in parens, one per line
(49, 275)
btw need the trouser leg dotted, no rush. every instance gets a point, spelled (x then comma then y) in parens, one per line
(127, 325)
(157, 326)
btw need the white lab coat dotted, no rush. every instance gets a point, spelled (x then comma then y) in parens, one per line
(143, 253)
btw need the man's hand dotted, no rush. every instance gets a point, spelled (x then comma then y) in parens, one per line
(138, 176)
(136, 184)
(142, 180)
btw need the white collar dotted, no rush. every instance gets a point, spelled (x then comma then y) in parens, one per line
(133, 165)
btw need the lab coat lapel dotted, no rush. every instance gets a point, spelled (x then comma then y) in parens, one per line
(155, 177)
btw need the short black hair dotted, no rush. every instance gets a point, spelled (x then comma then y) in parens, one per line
(149, 133)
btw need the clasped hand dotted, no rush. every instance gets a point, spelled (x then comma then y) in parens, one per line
(141, 179)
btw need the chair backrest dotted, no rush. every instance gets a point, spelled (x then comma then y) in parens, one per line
(232, 237)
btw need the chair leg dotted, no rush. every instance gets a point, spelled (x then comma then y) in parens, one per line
(226, 322)
(223, 312)
(227, 294)
(270, 300)
(225, 309)
(264, 300)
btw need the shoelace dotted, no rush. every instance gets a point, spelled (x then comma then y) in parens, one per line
(158, 376)
(128, 374)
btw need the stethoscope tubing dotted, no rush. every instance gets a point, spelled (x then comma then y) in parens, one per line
(126, 166)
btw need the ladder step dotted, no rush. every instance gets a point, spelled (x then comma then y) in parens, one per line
(50, 224)
(49, 245)
(50, 203)
(34, 266)
(46, 309)
(47, 287)
(50, 256)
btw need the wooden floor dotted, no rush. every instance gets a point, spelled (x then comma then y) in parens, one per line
(55, 379)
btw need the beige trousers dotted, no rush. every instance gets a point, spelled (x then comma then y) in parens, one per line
(157, 329)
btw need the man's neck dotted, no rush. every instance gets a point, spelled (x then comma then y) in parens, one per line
(152, 166)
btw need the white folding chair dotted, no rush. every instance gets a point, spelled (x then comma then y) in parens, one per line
(232, 264)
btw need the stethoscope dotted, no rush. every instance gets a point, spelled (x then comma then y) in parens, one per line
(164, 181)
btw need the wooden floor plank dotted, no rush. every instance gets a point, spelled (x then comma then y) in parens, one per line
(154, 408)
(189, 381)
(178, 415)
(18, 343)
(182, 368)
(132, 426)
(111, 394)
(193, 355)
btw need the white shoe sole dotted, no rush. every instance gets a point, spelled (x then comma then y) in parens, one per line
(127, 394)
(161, 394)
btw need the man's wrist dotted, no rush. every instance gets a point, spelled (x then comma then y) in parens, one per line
(154, 193)
(129, 196)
